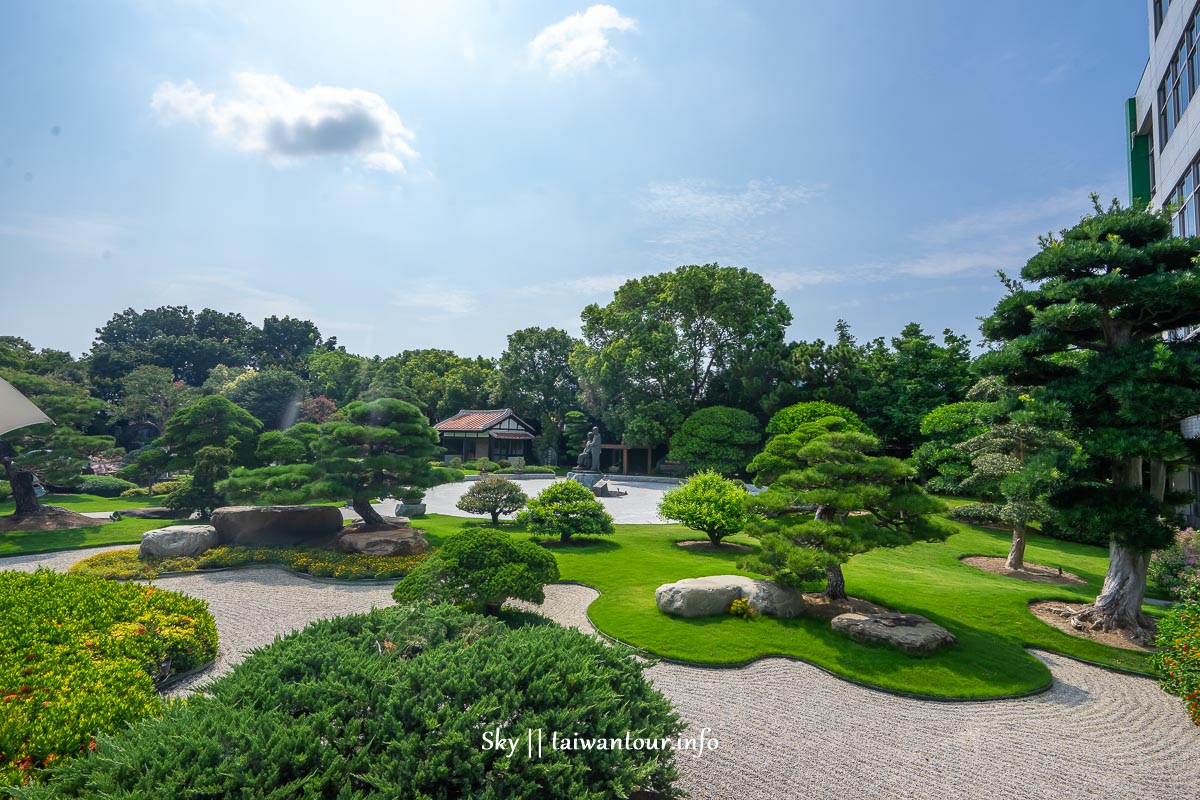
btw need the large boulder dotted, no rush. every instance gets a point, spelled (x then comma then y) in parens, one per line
(912, 633)
(713, 594)
(276, 526)
(395, 542)
(177, 540)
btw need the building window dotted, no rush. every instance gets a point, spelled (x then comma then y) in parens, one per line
(1181, 78)
(1187, 199)
(1160, 6)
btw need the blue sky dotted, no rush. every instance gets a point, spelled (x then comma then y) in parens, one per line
(440, 174)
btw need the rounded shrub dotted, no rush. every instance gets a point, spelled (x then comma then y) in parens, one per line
(101, 485)
(400, 702)
(717, 438)
(5, 490)
(166, 487)
(478, 570)
(80, 656)
(564, 509)
(135, 492)
(492, 495)
(789, 419)
(708, 503)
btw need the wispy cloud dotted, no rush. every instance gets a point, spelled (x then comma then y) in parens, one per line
(77, 237)
(442, 299)
(269, 116)
(787, 280)
(231, 291)
(588, 285)
(580, 41)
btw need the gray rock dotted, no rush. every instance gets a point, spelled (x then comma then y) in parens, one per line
(586, 477)
(702, 597)
(276, 526)
(396, 542)
(150, 512)
(177, 540)
(912, 633)
(410, 509)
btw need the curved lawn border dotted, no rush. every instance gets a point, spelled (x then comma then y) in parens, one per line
(305, 575)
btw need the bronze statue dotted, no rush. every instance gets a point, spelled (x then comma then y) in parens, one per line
(589, 457)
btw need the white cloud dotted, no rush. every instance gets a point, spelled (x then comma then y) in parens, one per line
(443, 299)
(700, 202)
(787, 280)
(77, 237)
(587, 285)
(269, 116)
(231, 291)
(579, 42)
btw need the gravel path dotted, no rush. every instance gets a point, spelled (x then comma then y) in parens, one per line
(789, 730)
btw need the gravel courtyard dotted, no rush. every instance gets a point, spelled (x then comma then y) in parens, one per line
(789, 730)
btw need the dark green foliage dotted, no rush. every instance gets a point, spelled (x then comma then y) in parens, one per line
(296, 445)
(565, 509)
(395, 704)
(210, 422)
(652, 355)
(199, 491)
(789, 419)
(717, 438)
(478, 570)
(272, 396)
(550, 436)
(151, 394)
(146, 466)
(492, 495)
(832, 373)
(372, 450)
(100, 485)
(976, 514)
(941, 466)
(438, 382)
(576, 427)
(806, 528)
(338, 375)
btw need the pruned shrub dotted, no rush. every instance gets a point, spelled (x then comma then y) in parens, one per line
(167, 487)
(492, 495)
(101, 485)
(80, 656)
(1176, 567)
(478, 570)
(789, 419)
(136, 492)
(565, 509)
(1178, 655)
(708, 503)
(528, 469)
(977, 514)
(5, 490)
(400, 702)
(717, 438)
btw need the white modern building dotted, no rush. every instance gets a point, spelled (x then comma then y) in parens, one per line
(1163, 152)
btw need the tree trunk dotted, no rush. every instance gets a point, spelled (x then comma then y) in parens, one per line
(362, 507)
(835, 583)
(495, 519)
(22, 490)
(715, 538)
(1158, 479)
(1016, 553)
(564, 537)
(1119, 605)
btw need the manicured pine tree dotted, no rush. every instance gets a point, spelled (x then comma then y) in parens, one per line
(373, 450)
(1091, 330)
(493, 495)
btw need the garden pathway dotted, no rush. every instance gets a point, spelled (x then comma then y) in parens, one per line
(789, 730)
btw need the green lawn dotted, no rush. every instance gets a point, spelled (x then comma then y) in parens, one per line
(988, 613)
(127, 531)
(87, 502)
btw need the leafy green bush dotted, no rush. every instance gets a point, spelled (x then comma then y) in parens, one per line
(1178, 656)
(708, 503)
(135, 492)
(166, 487)
(80, 656)
(396, 703)
(1177, 567)
(789, 419)
(740, 607)
(5, 490)
(124, 564)
(564, 509)
(483, 465)
(447, 475)
(976, 514)
(101, 485)
(492, 495)
(717, 438)
(528, 469)
(478, 570)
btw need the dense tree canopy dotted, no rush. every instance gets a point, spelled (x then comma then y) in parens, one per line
(273, 396)
(533, 375)
(1088, 330)
(151, 394)
(650, 356)
(717, 438)
(211, 421)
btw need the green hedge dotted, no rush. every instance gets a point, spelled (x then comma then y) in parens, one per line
(5, 490)
(527, 469)
(101, 485)
(78, 656)
(395, 703)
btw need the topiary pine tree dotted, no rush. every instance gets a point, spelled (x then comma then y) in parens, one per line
(371, 451)
(806, 529)
(492, 495)
(212, 421)
(788, 419)
(708, 503)
(1091, 331)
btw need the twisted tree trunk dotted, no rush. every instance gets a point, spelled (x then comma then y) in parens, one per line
(1016, 553)
(362, 507)
(20, 481)
(835, 583)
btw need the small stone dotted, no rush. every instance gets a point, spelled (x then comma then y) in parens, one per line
(912, 633)
(177, 540)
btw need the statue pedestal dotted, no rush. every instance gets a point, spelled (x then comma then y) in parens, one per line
(586, 477)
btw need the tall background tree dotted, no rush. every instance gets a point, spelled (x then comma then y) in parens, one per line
(273, 396)
(151, 394)
(650, 356)
(1088, 330)
(533, 376)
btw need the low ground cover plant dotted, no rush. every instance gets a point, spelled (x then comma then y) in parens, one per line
(1176, 568)
(1178, 656)
(125, 564)
(397, 703)
(80, 656)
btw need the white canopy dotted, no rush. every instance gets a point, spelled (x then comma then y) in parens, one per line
(16, 411)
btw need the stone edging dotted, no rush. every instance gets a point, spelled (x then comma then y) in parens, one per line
(178, 677)
(894, 692)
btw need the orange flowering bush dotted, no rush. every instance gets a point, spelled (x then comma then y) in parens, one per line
(79, 656)
(1178, 656)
